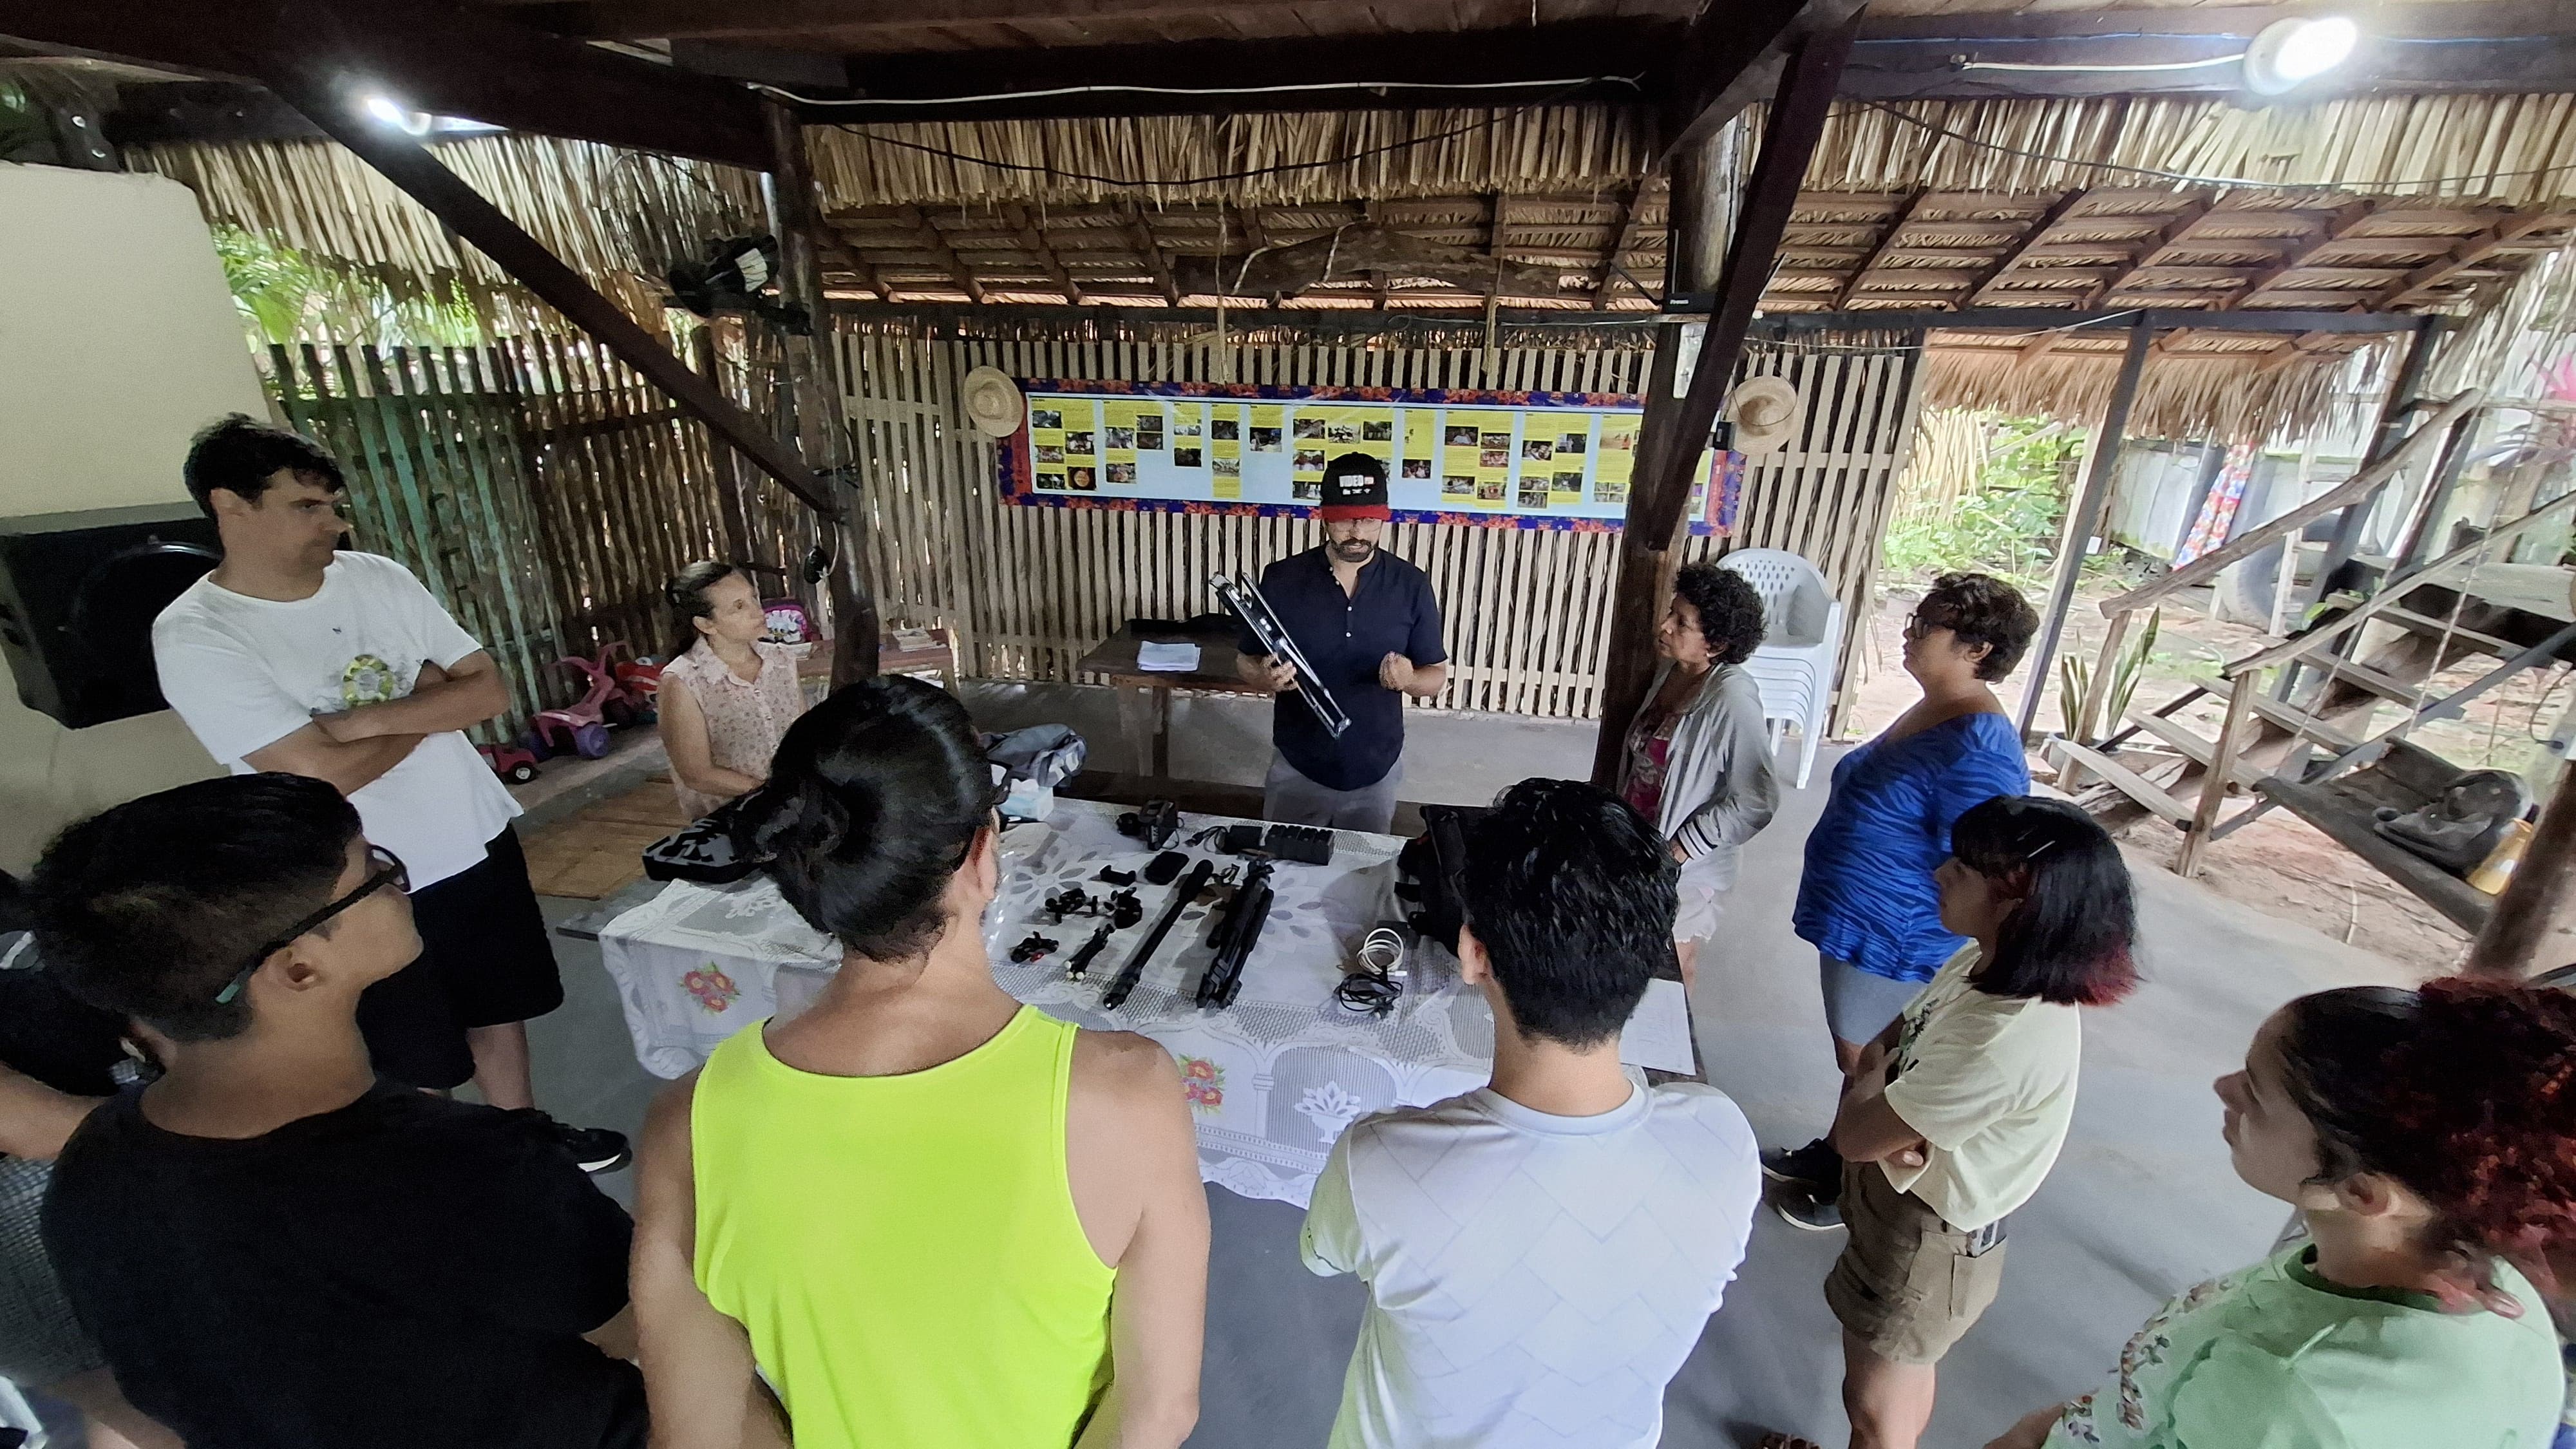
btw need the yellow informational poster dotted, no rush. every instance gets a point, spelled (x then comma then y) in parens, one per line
(1614, 459)
(1421, 444)
(1077, 423)
(1269, 429)
(1321, 432)
(1127, 428)
(1189, 435)
(1545, 460)
(1225, 451)
(1571, 442)
(1476, 456)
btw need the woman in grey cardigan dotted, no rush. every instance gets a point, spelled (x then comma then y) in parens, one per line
(1698, 761)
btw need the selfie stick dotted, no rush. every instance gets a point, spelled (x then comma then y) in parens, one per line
(1128, 975)
(1244, 597)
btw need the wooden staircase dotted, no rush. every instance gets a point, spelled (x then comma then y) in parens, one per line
(2303, 727)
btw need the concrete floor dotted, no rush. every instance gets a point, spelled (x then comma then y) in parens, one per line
(2142, 1204)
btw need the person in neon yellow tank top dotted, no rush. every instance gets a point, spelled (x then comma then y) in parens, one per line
(922, 1213)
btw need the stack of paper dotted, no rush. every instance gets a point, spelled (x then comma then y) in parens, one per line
(1167, 658)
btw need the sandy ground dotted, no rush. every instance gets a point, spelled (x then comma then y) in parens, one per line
(2278, 864)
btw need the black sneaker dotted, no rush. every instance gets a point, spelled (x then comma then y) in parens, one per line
(1802, 1209)
(594, 1149)
(1815, 1165)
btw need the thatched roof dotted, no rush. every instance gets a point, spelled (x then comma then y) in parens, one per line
(2402, 204)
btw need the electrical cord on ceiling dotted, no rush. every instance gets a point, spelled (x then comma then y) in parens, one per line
(1245, 174)
(1307, 87)
(2274, 184)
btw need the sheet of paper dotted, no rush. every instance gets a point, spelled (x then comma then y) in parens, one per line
(1659, 1035)
(1167, 658)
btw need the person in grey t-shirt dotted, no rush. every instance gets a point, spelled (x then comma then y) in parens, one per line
(1541, 1253)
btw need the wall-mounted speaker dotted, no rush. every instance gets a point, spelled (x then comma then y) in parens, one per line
(78, 594)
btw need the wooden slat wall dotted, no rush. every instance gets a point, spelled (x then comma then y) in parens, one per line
(1027, 590)
(542, 491)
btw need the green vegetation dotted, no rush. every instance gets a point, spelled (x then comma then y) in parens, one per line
(2075, 677)
(288, 296)
(2006, 524)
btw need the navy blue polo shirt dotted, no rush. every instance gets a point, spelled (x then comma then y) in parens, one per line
(1344, 637)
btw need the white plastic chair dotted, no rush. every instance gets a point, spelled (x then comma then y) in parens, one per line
(1802, 643)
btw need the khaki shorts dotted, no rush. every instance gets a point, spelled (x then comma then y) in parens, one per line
(1907, 1285)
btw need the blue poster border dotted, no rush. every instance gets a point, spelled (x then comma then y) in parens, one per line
(1015, 471)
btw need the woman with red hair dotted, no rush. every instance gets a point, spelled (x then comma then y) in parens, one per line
(1957, 1111)
(2429, 1138)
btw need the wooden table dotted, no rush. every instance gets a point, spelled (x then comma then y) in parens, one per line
(1145, 698)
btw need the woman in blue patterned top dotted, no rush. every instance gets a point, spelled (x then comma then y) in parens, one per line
(1866, 900)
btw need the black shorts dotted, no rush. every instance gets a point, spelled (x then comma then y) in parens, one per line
(484, 960)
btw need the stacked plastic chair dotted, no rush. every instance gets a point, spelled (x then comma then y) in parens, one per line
(1801, 646)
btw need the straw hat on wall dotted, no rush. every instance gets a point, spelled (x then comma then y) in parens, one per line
(1765, 413)
(993, 402)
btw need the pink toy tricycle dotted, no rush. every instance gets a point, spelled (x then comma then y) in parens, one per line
(614, 694)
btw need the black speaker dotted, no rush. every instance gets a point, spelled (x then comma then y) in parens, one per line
(78, 593)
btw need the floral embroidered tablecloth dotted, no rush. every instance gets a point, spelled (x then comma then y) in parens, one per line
(1271, 1080)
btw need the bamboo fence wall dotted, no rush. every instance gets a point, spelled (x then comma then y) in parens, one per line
(541, 491)
(1027, 591)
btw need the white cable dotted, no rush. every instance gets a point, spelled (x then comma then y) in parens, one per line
(1382, 950)
(1309, 86)
(2154, 65)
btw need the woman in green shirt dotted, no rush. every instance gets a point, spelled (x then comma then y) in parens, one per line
(2429, 1138)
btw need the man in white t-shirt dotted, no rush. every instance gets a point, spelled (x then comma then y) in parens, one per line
(1542, 1253)
(296, 656)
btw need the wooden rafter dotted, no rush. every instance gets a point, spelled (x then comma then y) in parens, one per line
(2301, 251)
(1140, 234)
(449, 60)
(937, 245)
(1887, 242)
(2157, 243)
(2464, 254)
(1624, 242)
(1025, 228)
(2038, 233)
(846, 257)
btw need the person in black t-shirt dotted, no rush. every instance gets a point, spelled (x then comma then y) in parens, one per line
(273, 1247)
(1370, 629)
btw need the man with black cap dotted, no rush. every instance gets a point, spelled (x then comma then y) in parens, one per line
(1367, 623)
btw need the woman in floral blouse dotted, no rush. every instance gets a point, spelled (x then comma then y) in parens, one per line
(2429, 1139)
(730, 695)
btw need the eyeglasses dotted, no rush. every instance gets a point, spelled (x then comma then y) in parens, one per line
(388, 872)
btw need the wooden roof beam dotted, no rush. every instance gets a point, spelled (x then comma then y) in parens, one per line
(938, 247)
(1895, 226)
(1387, 71)
(1026, 231)
(2320, 236)
(2464, 254)
(1979, 289)
(1734, 55)
(1140, 232)
(1613, 261)
(451, 60)
(2162, 237)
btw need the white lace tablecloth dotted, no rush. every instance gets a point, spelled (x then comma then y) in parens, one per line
(1272, 1080)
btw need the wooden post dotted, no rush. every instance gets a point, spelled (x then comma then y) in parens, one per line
(2534, 898)
(796, 214)
(2083, 515)
(1675, 431)
(2213, 785)
(729, 500)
